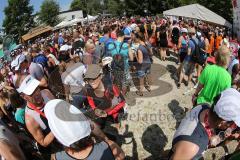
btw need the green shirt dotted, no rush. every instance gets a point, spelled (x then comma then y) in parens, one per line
(215, 80)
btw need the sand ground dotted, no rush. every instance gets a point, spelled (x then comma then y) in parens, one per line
(153, 118)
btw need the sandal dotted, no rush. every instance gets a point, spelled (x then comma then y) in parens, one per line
(139, 93)
(148, 88)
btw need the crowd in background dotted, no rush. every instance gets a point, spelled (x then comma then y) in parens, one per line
(63, 89)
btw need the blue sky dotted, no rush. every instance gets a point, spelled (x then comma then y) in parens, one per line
(64, 4)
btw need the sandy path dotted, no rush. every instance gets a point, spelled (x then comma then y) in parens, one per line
(153, 119)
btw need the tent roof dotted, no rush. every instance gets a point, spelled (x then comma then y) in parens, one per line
(197, 11)
(36, 31)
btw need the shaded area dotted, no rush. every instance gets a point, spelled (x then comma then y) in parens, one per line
(160, 87)
(154, 140)
(173, 72)
(125, 138)
(178, 111)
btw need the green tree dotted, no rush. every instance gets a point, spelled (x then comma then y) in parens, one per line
(115, 7)
(221, 7)
(80, 5)
(49, 11)
(18, 18)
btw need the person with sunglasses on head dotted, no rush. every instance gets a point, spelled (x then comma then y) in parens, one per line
(105, 100)
(197, 128)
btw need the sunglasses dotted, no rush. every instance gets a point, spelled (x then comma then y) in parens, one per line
(90, 80)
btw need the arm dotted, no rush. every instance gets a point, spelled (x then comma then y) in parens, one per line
(35, 130)
(67, 91)
(43, 82)
(139, 56)
(185, 150)
(9, 152)
(235, 71)
(179, 42)
(97, 132)
(189, 51)
(116, 150)
(130, 54)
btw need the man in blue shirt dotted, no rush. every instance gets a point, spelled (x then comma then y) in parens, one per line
(105, 40)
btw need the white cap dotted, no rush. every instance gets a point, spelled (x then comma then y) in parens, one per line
(65, 47)
(28, 85)
(228, 106)
(199, 34)
(67, 123)
(17, 62)
(184, 30)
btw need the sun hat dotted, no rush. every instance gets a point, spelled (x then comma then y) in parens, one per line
(28, 85)
(17, 62)
(228, 106)
(67, 123)
(93, 71)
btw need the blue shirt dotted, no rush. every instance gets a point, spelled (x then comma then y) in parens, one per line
(191, 46)
(60, 40)
(127, 31)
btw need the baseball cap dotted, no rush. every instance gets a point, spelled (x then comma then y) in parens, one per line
(228, 106)
(67, 123)
(184, 30)
(28, 85)
(65, 48)
(93, 71)
(17, 62)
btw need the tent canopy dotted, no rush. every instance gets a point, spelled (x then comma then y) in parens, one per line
(199, 12)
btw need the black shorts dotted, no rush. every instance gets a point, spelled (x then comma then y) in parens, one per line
(182, 56)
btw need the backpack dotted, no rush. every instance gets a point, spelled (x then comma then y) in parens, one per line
(42, 61)
(118, 59)
(198, 55)
(104, 48)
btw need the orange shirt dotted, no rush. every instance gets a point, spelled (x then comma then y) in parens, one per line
(211, 45)
(218, 41)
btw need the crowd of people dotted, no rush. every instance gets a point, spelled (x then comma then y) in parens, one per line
(60, 91)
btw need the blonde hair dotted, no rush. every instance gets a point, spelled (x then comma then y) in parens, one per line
(223, 56)
(89, 44)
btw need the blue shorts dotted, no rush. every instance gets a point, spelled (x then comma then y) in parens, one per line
(143, 73)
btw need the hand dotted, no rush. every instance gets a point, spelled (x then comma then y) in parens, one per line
(194, 99)
(100, 113)
(116, 150)
(235, 136)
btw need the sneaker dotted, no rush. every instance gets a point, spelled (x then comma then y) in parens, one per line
(188, 92)
(196, 85)
(178, 85)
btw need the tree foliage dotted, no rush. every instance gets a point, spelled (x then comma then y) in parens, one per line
(18, 17)
(49, 11)
(153, 7)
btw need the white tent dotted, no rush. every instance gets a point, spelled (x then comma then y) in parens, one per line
(76, 21)
(199, 12)
(62, 24)
(91, 18)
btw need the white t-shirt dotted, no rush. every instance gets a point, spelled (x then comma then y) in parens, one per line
(73, 77)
